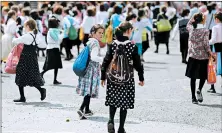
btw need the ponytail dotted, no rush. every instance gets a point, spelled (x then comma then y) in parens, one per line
(194, 24)
(35, 31)
(10, 14)
(118, 31)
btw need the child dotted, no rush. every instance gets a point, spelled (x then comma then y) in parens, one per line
(121, 95)
(89, 84)
(27, 70)
(53, 58)
(142, 22)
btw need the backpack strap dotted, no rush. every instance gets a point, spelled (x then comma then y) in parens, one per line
(33, 40)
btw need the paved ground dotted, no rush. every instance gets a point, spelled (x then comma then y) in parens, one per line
(163, 105)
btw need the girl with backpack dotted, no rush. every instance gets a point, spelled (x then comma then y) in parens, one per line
(53, 57)
(88, 85)
(120, 79)
(27, 70)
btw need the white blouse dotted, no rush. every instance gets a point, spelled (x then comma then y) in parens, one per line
(88, 23)
(216, 36)
(27, 39)
(94, 48)
(11, 27)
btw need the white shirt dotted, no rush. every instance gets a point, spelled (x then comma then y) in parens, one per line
(102, 17)
(170, 12)
(11, 27)
(88, 23)
(51, 43)
(27, 39)
(216, 36)
(144, 23)
(94, 48)
(39, 25)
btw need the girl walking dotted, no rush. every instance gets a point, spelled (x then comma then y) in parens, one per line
(9, 32)
(141, 24)
(199, 52)
(53, 57)
(89, 84)
(27, 70)
(121, 95)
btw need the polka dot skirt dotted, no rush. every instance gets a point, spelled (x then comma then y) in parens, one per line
(27, 70)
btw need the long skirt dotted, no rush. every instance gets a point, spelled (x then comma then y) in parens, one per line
(27, 70)
(89, 84)
(197, 69)
(53, 59)
(6, 45)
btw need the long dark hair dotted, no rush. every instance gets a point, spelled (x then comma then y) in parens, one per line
(198, 18)
(35, 15)
(10, 14)
(122, 28)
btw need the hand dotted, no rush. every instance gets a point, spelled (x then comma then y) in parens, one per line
(141, 83)
(103, 83)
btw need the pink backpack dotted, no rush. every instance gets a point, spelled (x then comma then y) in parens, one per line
(13, 59)
(45, 29)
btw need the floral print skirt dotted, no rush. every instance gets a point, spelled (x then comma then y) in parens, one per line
(89, 84)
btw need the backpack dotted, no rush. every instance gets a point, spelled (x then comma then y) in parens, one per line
(109, 33)
(120, 70)
(82, 61)
(72, 30)
(45, 29)
(183, 27)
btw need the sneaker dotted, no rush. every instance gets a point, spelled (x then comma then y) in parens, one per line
(211, 90)
(81, 115)
(194, 101)
(88, 113)
(199, 96)
(111, 128)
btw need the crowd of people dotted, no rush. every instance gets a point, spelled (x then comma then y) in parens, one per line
(127, 26)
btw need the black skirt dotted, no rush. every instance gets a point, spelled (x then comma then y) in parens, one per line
(197, 69)
(53, 59)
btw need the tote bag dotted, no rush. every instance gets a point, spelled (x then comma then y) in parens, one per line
(163, 25)
(13, 59)
(211, 78)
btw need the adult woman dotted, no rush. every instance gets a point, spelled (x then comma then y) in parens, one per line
(162, 37)
(199, 52)
(27, 70)
(217, 39)
(9, 32)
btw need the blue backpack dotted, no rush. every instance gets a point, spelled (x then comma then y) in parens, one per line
(81, 63)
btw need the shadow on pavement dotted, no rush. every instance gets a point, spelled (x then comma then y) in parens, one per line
(211, 106)
(148, 62)
(41, 104)
(216, 94)
(65, 86)
(106, 119)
